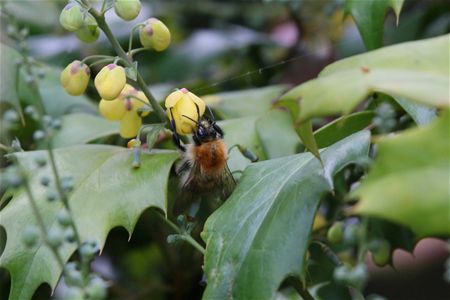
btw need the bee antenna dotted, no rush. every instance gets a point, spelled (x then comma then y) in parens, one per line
(190, 119)
(211, 113)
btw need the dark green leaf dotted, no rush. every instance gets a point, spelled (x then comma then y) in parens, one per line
(244, 103)
(261, 234)
(305, 132)
(108, 193)
(277, 134)
(342, 127)
(421, 114)
(369, 18)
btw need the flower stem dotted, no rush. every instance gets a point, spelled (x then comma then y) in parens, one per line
(120, 52)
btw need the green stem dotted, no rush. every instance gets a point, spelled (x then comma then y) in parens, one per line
(101, 61)
(137, 50)
(96, 57)
(130, 40)
(186, 237)
(120, 52)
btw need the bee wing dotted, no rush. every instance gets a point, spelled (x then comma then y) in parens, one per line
(228, 183)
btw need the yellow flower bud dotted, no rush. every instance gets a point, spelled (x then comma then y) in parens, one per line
(110, 81)
(71, 17)
(154, 34)
(112, 110)
(127, 9)
(182, 106)
(130, 124)
(75, 78)
(88, 33)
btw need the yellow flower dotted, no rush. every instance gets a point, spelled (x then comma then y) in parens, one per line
(182, 106)
(75, 78)
(154, 34)
(125, 109)
(127, 9)
(71, 17)
(110, 81)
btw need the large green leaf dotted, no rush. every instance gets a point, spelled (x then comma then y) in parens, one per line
(369, 18)
(251, 102)
(408, 183)
(417, 71)
(277, 134)
(260, 235)
(108, 193)
(83, 128)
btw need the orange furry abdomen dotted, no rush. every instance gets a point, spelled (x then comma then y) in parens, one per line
(212, 157)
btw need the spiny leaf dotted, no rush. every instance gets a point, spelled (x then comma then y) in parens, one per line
(417, 71)
(268, 217)
(369, 17)
(108, 193)
(408, 183)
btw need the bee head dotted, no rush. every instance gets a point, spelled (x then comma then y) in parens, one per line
(207, 130)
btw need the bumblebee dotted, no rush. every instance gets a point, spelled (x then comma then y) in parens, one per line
(203, 169)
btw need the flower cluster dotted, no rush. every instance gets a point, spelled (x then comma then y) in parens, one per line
(126, 109)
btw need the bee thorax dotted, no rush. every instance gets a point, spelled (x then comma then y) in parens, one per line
(211, 157)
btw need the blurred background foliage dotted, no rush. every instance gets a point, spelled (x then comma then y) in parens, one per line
(218, 47)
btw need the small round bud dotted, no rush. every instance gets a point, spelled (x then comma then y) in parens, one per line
(110, 81)
(96, 288)
(13, 177)
(24, 32)
(56, 124)
(173, 238)
(64, 218)
(55, 237)
(38, 135)
(335, 233)
(30, 236)
(358, 276)
(88, 250)
(40, 160)
(47, 120)
(127, 9)
(45, 180)
(129, 125)
(88, 33)
(69, 235)
(52, 195)
(75, 78)
(154, 34)
(73, 277)
(11, 116)
(67, 183)
(71, 17)
(30, 111)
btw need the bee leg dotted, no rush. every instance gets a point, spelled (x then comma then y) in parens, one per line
(175, 137)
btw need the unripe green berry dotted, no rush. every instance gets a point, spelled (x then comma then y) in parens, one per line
(74, 293)
(64, 218)
(88, 250)
(38, 135)
(47, 120)
(341, 274)
(30, 236)
(67, 183)
(73, 277)
(13, 177)
(358, 276)
(127, 9)
(55, 237)
(381, 252)
(71, 17)
(335, 233)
